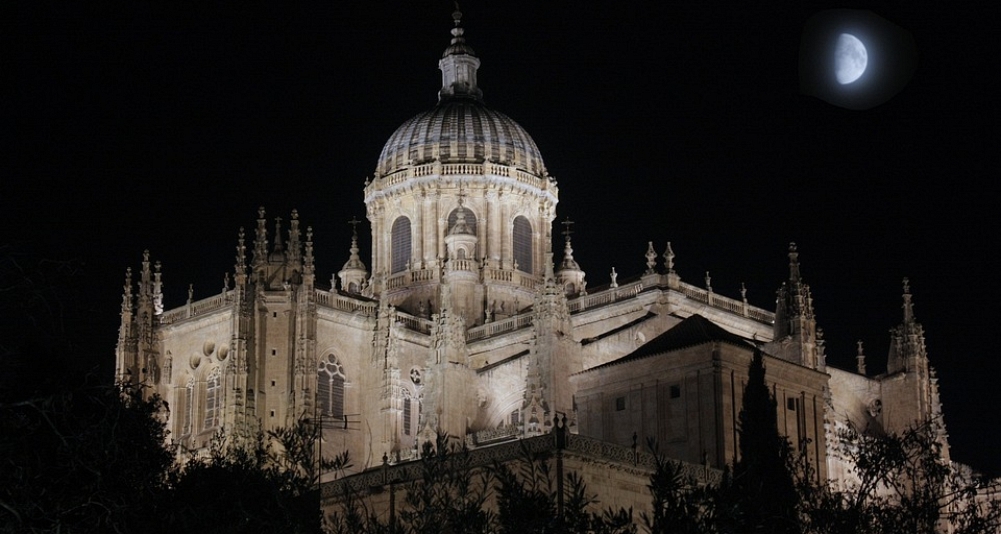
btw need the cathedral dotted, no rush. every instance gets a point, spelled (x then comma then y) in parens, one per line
(471, 318)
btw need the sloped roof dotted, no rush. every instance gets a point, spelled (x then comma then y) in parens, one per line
(694, 330)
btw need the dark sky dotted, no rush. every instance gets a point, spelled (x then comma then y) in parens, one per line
(138, 125)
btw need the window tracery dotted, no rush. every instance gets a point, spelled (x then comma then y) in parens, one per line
(213, 400)
(330, 381)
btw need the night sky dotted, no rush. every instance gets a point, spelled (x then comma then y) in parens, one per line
(137, 126)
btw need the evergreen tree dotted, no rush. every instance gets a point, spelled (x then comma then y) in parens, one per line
(762, 496)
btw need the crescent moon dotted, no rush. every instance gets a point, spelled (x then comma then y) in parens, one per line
(850, 59)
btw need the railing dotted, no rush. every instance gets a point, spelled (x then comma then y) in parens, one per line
(608, 296)
(340, 302)
(511, 451)
(498, 275)
(411, 322)
(630, 290)
(738, 307)
(456, 264)
(493, 435)
(451, 169)
(201, 307)
(497, 327)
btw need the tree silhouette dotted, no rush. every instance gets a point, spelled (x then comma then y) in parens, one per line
(761, 496)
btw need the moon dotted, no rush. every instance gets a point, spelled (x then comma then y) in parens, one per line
(850, 58)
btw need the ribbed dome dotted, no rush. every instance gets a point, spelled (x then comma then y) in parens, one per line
(461, 130)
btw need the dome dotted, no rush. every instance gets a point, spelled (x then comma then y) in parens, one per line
(461, 130)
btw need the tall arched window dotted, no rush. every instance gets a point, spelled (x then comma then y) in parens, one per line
(407, 412)
(187, 407)
(330, 388)
(213, 400)
(522, 241)
(400, 254)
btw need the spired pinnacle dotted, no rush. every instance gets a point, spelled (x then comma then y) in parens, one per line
(908, 305)
(793, 263)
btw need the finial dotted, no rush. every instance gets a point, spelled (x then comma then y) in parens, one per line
(743, 292)
(709, 282)
(651, 258)
(669, 258)
(354, 225)
(908, 305)
(793, 263)
(127, 291)
(615, 277)
(279, 245)
(457, 15)
(191, 293)
(860, 357)
(309, 259)
(241, 253)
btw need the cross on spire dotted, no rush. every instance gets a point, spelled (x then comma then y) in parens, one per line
(567, 228)
(354, 225)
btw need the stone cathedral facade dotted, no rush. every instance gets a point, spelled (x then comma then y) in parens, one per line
(463, 321)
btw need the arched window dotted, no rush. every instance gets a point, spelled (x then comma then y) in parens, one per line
(213, 400)
(187, 407)
(330, 388)
(400, 254)
(522, 241)
(470, 220)
(407, 412)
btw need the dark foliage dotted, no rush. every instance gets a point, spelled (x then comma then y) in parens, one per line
(680, 504)
(266, 485)
(86, 460)
(449, 497)
(903, 484)
(528, 500)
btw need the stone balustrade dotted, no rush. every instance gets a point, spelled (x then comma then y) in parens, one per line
(197, 308)
(459, 169)
(498, 327)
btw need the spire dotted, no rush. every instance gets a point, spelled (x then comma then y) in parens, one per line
(570, 273)
(279, 244)
(260, 239)
(796, 329)
(860, 359)
(908, 305)
(907, 341)
(294, 235)
(353, 273)
(240, 268)
(309, 262)
(127, 292)
(145, 281)
(458, 66)
(568, 261)
(793, 263)
(157, 289)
